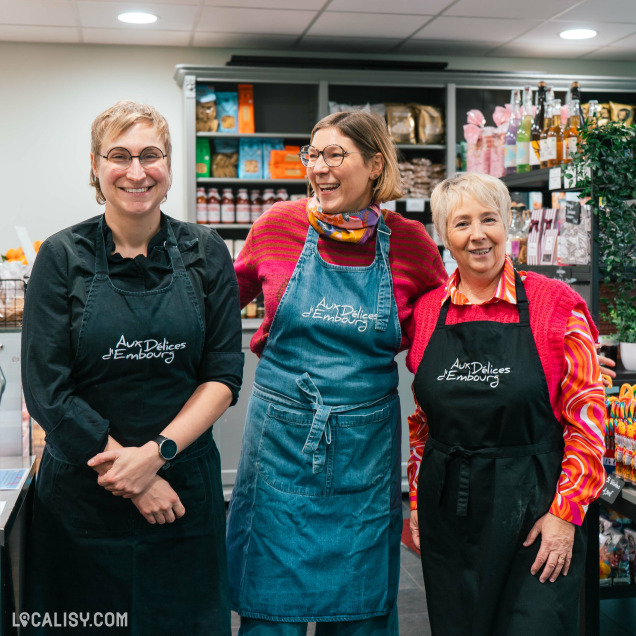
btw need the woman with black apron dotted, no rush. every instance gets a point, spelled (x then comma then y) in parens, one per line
(509, 394)
(131, 351)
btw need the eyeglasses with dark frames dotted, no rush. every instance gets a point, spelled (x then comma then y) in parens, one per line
(122, 158)
(333, 155)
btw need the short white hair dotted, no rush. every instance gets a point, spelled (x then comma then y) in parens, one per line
(449, 194)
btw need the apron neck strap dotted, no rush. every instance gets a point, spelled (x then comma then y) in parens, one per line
(170, 245)
(522, 304)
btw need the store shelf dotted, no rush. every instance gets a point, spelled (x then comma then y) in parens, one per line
(236, 181)
(578, 272)
(420, 146)
(535, 179)
(217, 135)
(617, 591)
(230, 226)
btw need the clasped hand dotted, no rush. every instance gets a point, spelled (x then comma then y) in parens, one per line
(132, 470)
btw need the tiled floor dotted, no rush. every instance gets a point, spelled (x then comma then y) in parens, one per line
(411, 598)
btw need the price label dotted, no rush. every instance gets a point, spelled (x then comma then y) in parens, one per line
(554, 182)
(415, 205)
(613, 485)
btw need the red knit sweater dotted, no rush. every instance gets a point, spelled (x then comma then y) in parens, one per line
(550, 306)
(276, 240)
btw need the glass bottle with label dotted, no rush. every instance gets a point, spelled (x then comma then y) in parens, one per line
(228, 208)
(592, 113)
(214, 206)
(555, 137)
(269, 198)
(543, 139)
(202, 207)
(524, 133)
(242, 206)
(510, 142)
(575, 95)
(571, 133)
(256, 205)
(537, 126)
(518, 236)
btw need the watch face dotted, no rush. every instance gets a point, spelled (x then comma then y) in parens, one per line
(168, 449)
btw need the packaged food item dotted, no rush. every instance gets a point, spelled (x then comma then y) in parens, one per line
(202, 207)
(256, 205)
(400, 123)
(227, 112)
(250, 164)
(225, 158)
(286, 164)
(622, 112)
(228, 207)
(203, 157)
(429, 123)
(242, 206)
(206, 120)
(214, 206)
(335, 107)
(246, 108)
(573, 243)
(268, 146)
(604, 114)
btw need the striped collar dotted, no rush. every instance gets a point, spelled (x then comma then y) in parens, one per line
(505, 291)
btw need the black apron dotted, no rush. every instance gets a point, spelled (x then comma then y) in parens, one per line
(489, 471)
(136, 364)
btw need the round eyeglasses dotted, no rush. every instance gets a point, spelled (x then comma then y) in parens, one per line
(333, 155)
(121, 157)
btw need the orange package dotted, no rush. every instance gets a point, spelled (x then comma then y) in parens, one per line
(285, 164)
(246, 108)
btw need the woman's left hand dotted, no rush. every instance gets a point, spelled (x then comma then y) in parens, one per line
(132, 470)
(557, 539)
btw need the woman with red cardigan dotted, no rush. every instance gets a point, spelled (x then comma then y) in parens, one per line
(506, 442)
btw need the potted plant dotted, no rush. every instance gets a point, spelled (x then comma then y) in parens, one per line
(605, 170)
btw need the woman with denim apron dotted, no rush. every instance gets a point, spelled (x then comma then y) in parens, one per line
(315, 518)
(135, 350)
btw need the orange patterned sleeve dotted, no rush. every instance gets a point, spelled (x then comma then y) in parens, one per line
(418, 434)
(582, 475)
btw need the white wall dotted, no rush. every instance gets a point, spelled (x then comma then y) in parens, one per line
(50, 94)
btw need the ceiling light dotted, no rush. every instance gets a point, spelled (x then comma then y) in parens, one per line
(137, 18)
(578, 34)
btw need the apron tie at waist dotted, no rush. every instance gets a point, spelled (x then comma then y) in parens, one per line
(497, 452)
(320, 424)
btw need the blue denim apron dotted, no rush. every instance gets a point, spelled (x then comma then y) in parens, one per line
(315, 518)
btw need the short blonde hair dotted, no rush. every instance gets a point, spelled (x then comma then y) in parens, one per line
(449, 194)
(117, 120)
(369, 133)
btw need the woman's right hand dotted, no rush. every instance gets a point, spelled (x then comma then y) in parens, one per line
(415, 529)
(159, 503)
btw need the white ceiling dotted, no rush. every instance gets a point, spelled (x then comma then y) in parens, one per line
(501, 28)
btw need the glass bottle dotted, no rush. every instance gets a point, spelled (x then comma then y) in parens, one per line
(555, 137)
(543, 139)
(537, 126)
(516, 236)
(202, 206)
(524, 133)
(592, 113)
(575, 94)
(571, 133)
(510, 142)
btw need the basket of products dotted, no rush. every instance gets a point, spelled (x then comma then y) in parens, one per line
(11, 302)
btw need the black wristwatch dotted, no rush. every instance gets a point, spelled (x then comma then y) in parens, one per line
(167, 447)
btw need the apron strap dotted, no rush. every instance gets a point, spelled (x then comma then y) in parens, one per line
(170, 245)
(320, 425)
(101, 261)
(385, 292)
(497, 452)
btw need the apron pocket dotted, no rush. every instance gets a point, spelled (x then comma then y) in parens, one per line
(362, 450)
(281, 461)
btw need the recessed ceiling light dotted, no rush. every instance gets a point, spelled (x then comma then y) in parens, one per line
(137, 18)
(578, 34)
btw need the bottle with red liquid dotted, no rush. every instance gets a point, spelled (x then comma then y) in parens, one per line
(202, 207)
(228, 207)
(214, 206)
(242, 206)
(256, 205)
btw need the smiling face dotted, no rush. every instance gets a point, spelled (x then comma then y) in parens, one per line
(477, 239)
(135, 190)
(349, 187)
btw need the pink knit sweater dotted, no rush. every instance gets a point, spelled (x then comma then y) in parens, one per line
(276, 240)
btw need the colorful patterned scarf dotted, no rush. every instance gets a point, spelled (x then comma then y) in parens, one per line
(348, 227)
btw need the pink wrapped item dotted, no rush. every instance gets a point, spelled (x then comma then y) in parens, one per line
(501, 117)
(473, 134)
